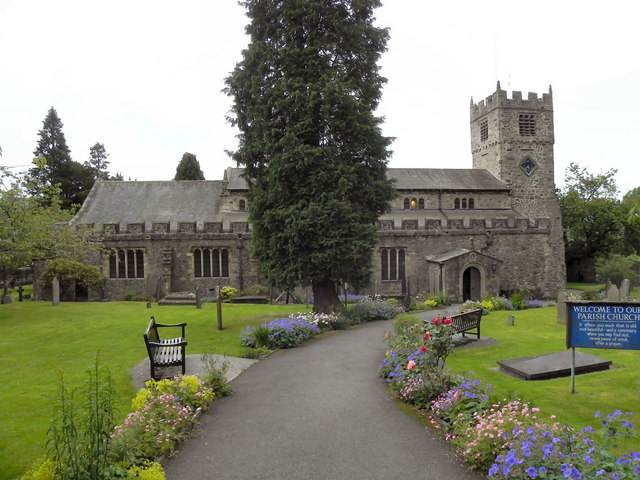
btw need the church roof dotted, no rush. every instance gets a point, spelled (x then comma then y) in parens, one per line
(445, 179)
(235, 179)
(157, 201)
(474, 179)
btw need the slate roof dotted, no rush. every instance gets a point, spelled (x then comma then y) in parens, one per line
(235, 179)
(474, 179)
(156, 201)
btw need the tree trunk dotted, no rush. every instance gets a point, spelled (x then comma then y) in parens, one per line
(325, 297)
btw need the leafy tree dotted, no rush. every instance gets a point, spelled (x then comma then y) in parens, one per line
(98, 162)
(56, 168)
(304, 97)
(189, 168)
(30, 230)
(616, 267)
(71, 272)
(593, 219)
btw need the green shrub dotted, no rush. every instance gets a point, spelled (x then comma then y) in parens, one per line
(43, 469)
(215, 377)
(71, 272)
(256, 290)
(517, 300)
(592, 293)
(138, 297)
(227, 293)
(368, 311)
(616, 268)
(147, 471)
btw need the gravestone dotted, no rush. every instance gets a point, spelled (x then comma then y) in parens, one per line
(625, 288)
(561, 308)
(613, 294)
(198, 298)
(55, 291)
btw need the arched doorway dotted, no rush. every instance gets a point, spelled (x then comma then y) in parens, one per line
(471, 284)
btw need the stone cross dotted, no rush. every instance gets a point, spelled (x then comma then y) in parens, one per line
(55, 291)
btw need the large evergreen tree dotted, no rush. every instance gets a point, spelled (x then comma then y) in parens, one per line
(189, 168)
(74, 179)
(305, 95)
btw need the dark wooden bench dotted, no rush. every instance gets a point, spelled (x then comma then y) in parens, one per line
(466, 322)
(168, 352)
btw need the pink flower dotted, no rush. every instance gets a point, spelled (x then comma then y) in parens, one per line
(411, 364)
(447, 320)
(436, 321)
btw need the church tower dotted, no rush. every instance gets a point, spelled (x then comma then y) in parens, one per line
(513, 139)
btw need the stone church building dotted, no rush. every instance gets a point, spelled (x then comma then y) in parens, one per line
(494, 228)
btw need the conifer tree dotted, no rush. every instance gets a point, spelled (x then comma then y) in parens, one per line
(58, 170)
(304, 100)
(189, 168)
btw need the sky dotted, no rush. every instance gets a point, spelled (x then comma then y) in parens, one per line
(145, 78)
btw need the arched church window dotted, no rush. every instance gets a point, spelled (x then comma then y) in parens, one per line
(243, 205)
(456, 203)
(471, 203)
(126, 263)
(406, 204)
(421, 203)
(464, 203)
(212, 263)
(392, 263)
(414, 204)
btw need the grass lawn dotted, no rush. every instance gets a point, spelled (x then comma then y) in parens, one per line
(536, 331)
(38, 342)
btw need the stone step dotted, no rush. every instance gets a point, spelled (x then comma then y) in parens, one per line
(179, 298)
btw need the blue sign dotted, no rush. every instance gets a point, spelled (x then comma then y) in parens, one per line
(603, 325)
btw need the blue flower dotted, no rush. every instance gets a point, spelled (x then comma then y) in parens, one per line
(531, 471)
(495, 468)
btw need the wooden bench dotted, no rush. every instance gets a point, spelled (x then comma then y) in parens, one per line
(466, 322)
(168, 352)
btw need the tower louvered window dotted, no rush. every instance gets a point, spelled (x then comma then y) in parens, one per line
(484, 130)
(527, 124)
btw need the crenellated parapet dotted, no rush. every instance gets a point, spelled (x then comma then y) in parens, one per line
(463, 226)
(499, 99)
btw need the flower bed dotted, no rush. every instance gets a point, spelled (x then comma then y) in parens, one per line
(506, 438)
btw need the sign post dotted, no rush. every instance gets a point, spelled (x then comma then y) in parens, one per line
(602, 325)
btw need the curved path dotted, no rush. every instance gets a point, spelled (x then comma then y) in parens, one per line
(318, 411)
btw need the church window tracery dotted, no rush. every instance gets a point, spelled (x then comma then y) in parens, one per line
(126, 263)
(392, 263)
(211, 263)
